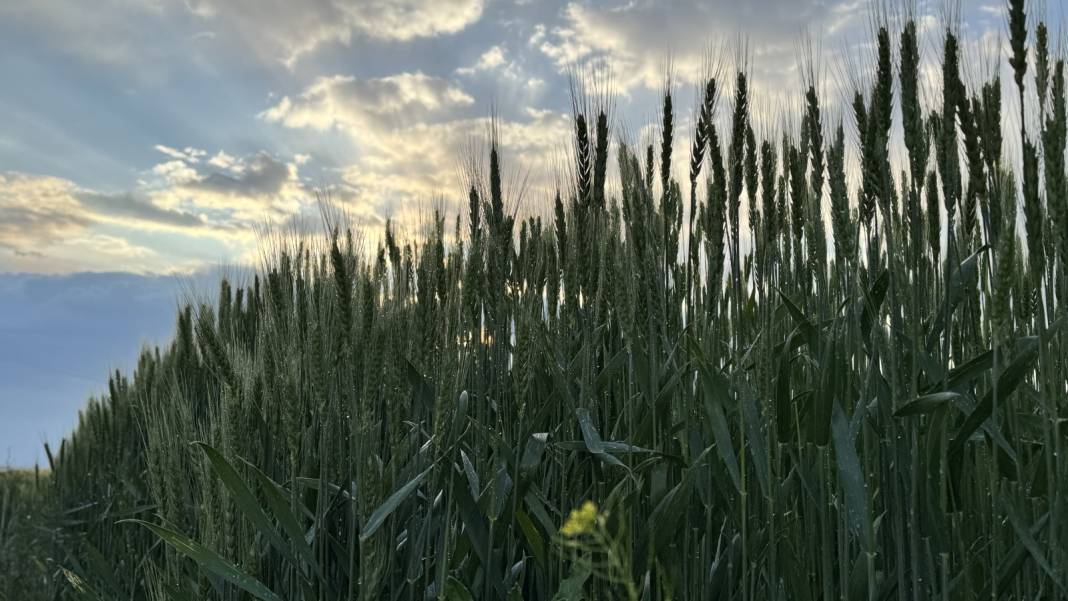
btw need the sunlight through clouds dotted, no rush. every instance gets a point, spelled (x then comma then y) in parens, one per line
(181, 124)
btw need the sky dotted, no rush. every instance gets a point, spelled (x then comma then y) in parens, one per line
(147, 144)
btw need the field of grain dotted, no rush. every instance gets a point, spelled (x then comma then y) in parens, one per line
(805, 372)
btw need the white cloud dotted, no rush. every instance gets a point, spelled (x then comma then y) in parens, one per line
(52, 224)
(291, 30)
(238, 192)
(489, 61)
(496, 65)
(379, 103)
(412, 133)
(37, 211)
(221, 160)
(175, 172)
(637, 39)
(113, 245)
(43, 210)
(189, 154)
(127, 32)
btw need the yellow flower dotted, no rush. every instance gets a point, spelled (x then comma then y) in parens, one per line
(581, 520)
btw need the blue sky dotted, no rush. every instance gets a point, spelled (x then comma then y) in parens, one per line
(145, 141)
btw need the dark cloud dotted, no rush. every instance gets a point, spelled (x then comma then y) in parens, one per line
(127, 205)
(262, 176)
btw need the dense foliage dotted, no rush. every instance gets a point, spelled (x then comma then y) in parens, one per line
(760, 403)
(23, 541)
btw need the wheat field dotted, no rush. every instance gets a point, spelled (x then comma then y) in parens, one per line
(805, 371)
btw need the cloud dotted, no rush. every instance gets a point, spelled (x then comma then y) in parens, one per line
(291, 30)
(52, 224)
(226, 191)
(221, 196)
(37, 211)
(135, 209)
(189, 155)
(407, 19)
(237, 196)
(261, 176)
(221, 160)
(113, 246)
(124, 33)
(176, 171)
(637, 38)
(377, 103)
(110, 32)
(995, 10)
(413, 132)
(508, 74)
(489, 61)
